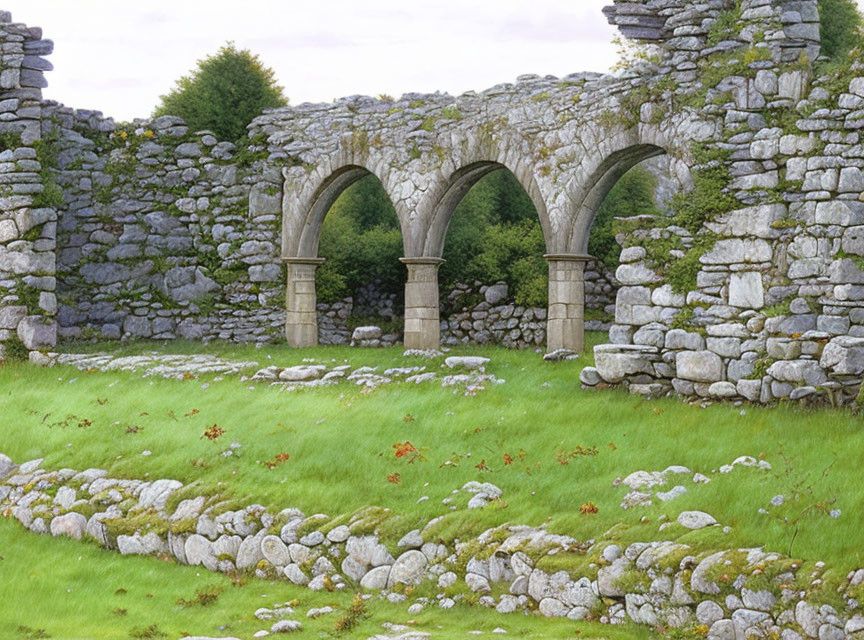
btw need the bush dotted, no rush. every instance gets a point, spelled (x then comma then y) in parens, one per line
(224, 93)
(840, 27)
(362, 243)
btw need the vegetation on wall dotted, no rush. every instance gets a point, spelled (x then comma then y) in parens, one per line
(840, 27)
(224, 93)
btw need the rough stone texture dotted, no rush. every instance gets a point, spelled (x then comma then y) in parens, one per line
(679, 591)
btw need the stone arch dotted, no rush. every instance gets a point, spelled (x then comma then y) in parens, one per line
(448, 193)
(304, 212)
(606, 174)
(305, 208)
(422, 313)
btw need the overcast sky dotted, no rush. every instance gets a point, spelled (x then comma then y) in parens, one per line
(119, 56)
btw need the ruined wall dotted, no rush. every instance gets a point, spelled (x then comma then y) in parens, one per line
(27, 213)
(165, 233)
(761, 298)
(750, 288)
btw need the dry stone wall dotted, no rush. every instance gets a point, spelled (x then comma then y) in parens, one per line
(667, 585)
(165, 233)
(28, 221)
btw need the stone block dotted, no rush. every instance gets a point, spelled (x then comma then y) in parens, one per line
(37, 333)
(746, 290)
(725, 347)
(844, 356)
(699, 366)
(681, 339)
(734, 251)
(797, 371)
(615, 363)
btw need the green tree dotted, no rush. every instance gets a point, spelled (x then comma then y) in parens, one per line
(840, 27)
(223, 93)
(362, 243)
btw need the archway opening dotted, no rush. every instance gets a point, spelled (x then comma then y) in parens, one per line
(347, 271)
(494, 282)
(361, 281)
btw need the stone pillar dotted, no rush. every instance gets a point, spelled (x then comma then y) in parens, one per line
(565, 324)
(422, 320)
(301, 321)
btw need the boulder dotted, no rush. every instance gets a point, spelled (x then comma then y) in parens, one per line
(250, 553)
(496, 293)
(366, 333)
(466, 362)
(302, 373)
(275, 551)
(409, 568)
(376, 579)
(71, 525)
(696, 520)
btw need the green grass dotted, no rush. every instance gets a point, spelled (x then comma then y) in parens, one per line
(72, 590)
(340, 443)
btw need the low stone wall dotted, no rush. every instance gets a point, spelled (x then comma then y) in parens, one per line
(663, 584)
(478, 314)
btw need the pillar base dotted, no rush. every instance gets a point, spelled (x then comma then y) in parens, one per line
(301, 302)
(422, 316)
(565, 325)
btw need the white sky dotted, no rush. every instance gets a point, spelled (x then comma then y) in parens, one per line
(120, 56)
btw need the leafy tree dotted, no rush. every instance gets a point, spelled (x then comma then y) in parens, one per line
(224, 93)
(840, 27)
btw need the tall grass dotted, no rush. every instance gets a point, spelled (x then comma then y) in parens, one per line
(340, 443)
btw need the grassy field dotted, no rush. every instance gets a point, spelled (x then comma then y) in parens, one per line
(341, 447)
(66, 590)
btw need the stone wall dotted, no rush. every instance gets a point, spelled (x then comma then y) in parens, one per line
(28, 219)
(164, 233)
(776, 309)
(664, 584)
(473, 314)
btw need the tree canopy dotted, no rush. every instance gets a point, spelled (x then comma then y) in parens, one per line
(224, 93)
(840, 27)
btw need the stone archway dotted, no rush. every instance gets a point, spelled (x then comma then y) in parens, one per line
(300, 254)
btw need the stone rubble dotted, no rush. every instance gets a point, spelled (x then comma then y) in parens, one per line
(675, 585)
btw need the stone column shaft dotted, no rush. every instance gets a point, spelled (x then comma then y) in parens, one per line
(565, 325)
(301, 302)
(422, 318)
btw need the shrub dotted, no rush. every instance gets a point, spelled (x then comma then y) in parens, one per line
(840, 27)
(224, 93)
